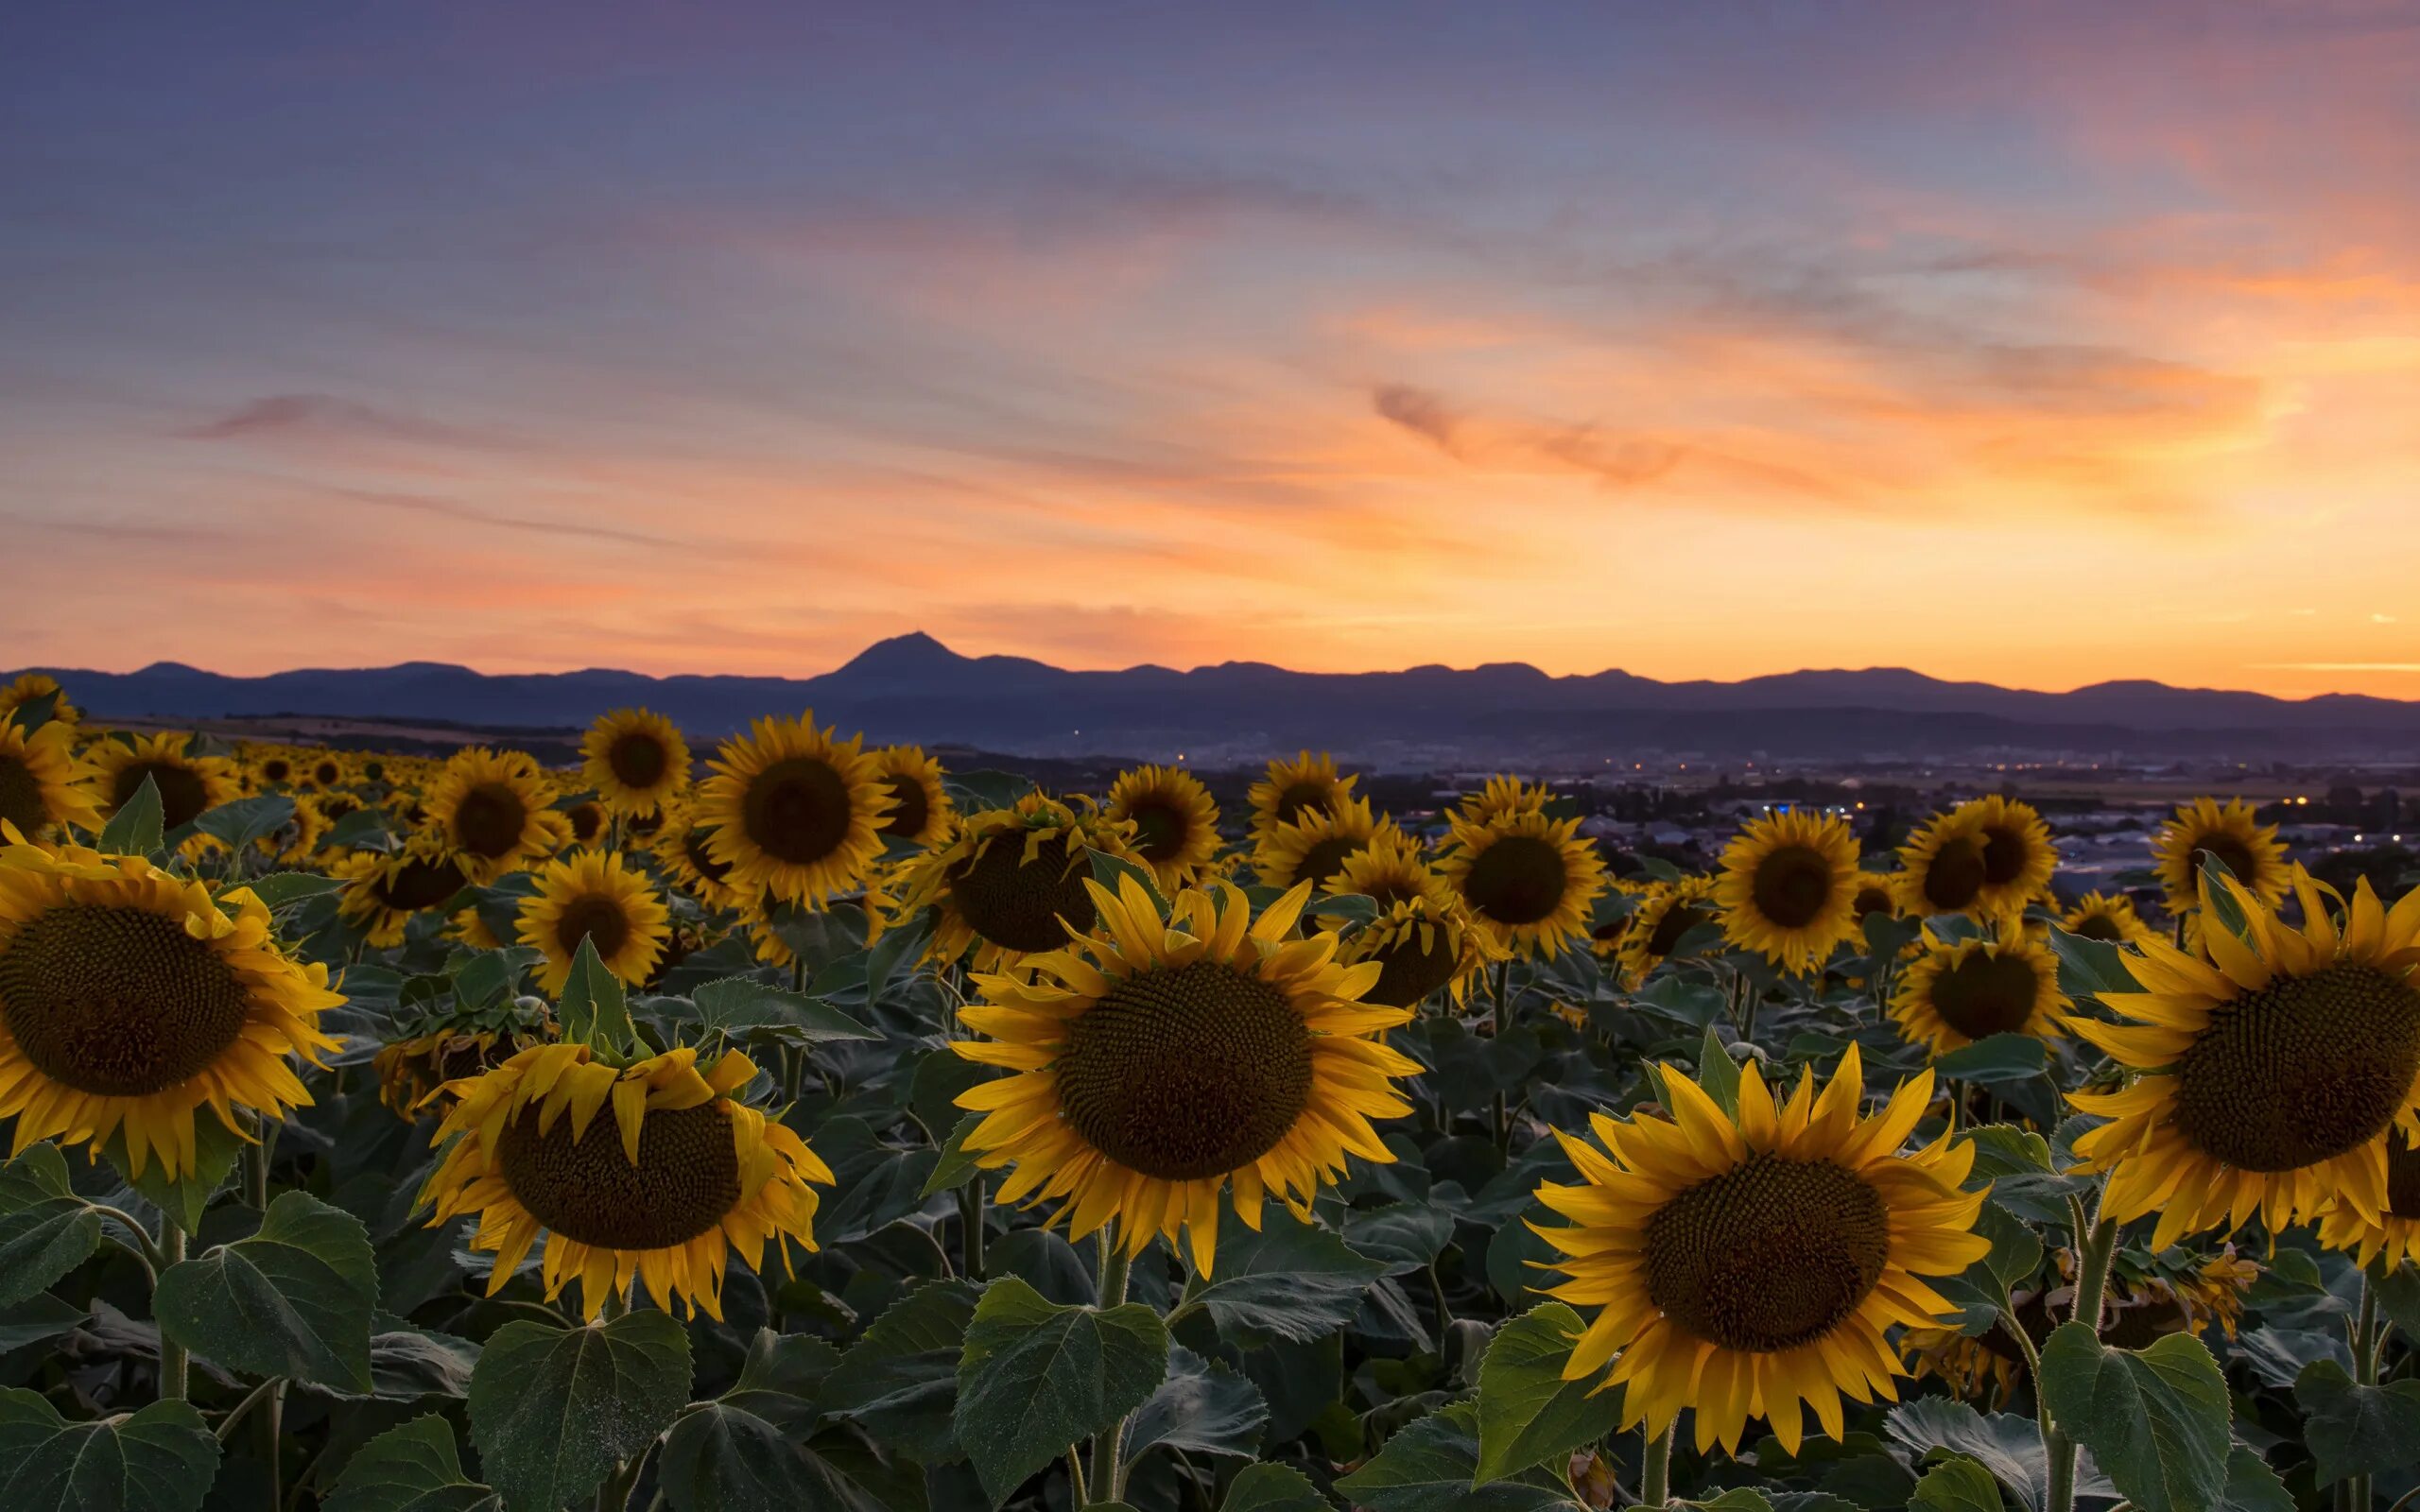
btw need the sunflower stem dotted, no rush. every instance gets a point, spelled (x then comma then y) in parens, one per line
(1503, 1006)
(172, 1354)
(969, 1218)
(1109, 1448)
(2096, 1244)
(1655, 1472)
(2366, 1342)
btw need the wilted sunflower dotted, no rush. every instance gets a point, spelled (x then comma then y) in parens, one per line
(1421, 938)
(1503, 796)
(382, 892)
(1315, 847)
(1787, 888)
(1957, 994)
(1743, 1265)
(1942, 869)
(635, 760)
(414, 1072)
(921, 811)
(1011, 880)
(793, 811)
(130, 1000)
(592, 896)
(2250, 850)
(2271, 1072)
(189, 785)
(675, 1180)
(1176, 826)
(490, 809)
(1665, 911)
(1528, 882)
(1294, 788)
(1164, 1059)
(680, 847)
(31, 686)
(42, 782)
(2106, 916)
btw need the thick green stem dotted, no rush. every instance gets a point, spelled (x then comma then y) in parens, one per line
(2367, 1341)
(1503, 1118)
(272, 1436)
(1108, 1477)
(1655, 1473)
(172, 1354)
(970, 1221)
(2096, 1244)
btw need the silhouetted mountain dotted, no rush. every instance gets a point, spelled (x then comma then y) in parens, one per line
(914, 688)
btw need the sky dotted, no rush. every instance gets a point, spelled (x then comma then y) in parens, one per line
(2039, 344)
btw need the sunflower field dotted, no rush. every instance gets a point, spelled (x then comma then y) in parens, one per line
(795, 1125)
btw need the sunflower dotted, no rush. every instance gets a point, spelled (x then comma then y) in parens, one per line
(490, 809)
(2271, 1071)
(1314, 846)
(680, 847)
(1502, 798)
(1529, 882)
(590, 896)
(1293, 788)
(2250, 850)
(587, 820)
(1176, 826)
(678, 1179)
(1665, 911)
(298, 839)
(1787, 888)
(414, 1072)
(382, 892)
(1874, 894)
(189, 785)
(921, 810)
(130, 999)
(2018, 857)
(2396, 1232)
(35, 685)
(42, 782)
(1743, 1265)
(1164, 1059)
(1421, 937)
(635, 760)
(2107, 916)
(1012, 882)
(1941, 866)
(326, 769)
(793, 811)
(1957, 994)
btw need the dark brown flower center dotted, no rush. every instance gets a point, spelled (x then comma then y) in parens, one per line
(693, 845)
(2301, 1071)
(2006, 850)
(2233, 853)
(420, 883)
(1677, 920)
(2099, 925)
(593, 917)
(637, 758)
(183, 796)
(686, 1179)
(276, 769)
(1518, 879)
(1018, 903)
(587, 822)
(490, 820)
(1955, 877)
(1325, 858)
(21, 801)
(1160, 829)
(797, 810)
(326, 773)
(1300, 798)
(1985, 994)
(2402, 1177)
(1767, 1255)
(117, 1001)
(1791, 886)
(1872, 899)
(911, 810)
(1408, 973)
(1186, 1071)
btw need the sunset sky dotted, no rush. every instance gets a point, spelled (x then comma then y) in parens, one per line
(2023, 343)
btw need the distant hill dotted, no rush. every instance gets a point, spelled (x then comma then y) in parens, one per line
(914, 688)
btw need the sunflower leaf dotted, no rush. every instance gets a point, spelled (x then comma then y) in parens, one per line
(1956, 1484)
(899, 1381)
(2157, 1419)
(1527, 1412)
(553, 1410)
(2225, 910)
(1201, 1408)
(1290, 1281)
(1272, 1489)
(1036, 1378)
(1718, 1074)
(594, 1010)
(134, 828)
(215, 1150)
(246, 820)
(415, 1468)
(2000, 1057)
(41, 1243)
(161, 1459)
(2357, 1430)
(736, 1004)
(2088, 968)
(1109, 870)
(284, 889)
(38, 1318)
(295, 1300)
(1428, 1466)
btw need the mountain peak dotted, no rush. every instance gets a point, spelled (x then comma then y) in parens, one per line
(913, 652)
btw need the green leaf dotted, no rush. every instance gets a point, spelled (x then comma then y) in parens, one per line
(720, 1456)
(41, 1243)
(1994, 1058)
(1109, 869)
(1718, 1073)
(1272, 1489)
(1036, 1378)
(2157, 1420)
(216, 1148)
(1957, 1484)
(1290, 1281)
(2007, 1445)
(735, 1005)
(409, 1363)
(900, 1381)
(553, 1410)
(295, 1300)
(2088, 968)
(37, 1318)
(35, 713)
(284, 889)
(2225, 911)
(1429, 1464)
(134, 828)
(2017, 1251)
(957, 1166)
(1528, 1413)
(1408, 1236)
(34, 1177)
(2357, 1430)
(161, 1459)
(246, 820)
(876, 1184)
(2251, 1486)
(411, 1469)
(904, 944)
(594, 1011)
(1201, 1408)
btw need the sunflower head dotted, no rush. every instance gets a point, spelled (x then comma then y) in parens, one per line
(651, 1171)
(1745, 1261)
(130, 999)
(413, 1071)
(1942, 869)
(592, 896)
(680, 847)
(1503, 796)
(42, 783)
(1171, 1058)
(1787, 888)
(1529, 882)
(635, 760)
(489, 808)
(1314, 848)
(1011, 882)
(1666, 912)
(1296, 787)
(2270, 1073)
(2018, 856)
(1957, 994)
(189, 785)
(2232, 836)
(383, 891)
(1176, 825)
(326, 769)
(1421, 938)
(2394, 1235)
(2106, 916)
(1874, 894)
(792, 810)
(921, 812)
(34, 692)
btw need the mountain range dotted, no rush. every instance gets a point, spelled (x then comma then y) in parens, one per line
(912, 687)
